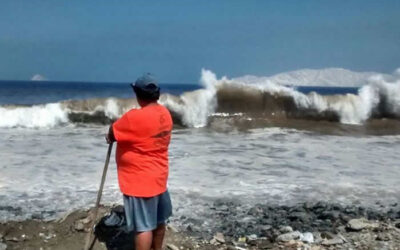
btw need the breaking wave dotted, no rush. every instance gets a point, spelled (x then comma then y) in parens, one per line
(48, 115)
(249, 96)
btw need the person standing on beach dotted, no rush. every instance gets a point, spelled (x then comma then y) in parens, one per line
(143, 137)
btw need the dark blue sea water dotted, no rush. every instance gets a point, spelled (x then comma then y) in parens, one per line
(327, 90)
(34, 92)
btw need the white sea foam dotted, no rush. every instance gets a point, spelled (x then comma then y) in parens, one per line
(39, 116)
(55, 114)
(388, 91)
(195, 107)
(45, 172)
(112, 109)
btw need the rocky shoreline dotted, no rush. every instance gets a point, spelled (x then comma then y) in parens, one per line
(318, 225)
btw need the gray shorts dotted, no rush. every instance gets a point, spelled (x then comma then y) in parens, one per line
(145, 214)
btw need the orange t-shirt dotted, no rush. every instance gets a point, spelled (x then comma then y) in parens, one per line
(143, 136)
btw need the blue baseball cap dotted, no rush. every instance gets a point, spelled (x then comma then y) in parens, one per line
(147, 83)
(146, 87)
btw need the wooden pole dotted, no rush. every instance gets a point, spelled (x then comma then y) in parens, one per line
(89, 242)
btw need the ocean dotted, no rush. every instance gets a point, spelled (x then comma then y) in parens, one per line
(329, 135)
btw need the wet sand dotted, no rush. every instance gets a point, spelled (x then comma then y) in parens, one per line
(65, 233)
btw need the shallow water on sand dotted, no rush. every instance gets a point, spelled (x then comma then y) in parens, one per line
(47, 172)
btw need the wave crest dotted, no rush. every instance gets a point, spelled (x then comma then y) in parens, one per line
(39, 116)
(263, 98)
(379, 97)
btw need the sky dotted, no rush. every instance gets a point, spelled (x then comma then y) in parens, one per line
(116, 41)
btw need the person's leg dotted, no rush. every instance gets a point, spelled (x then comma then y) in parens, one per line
(158, 237)
(164, 211)
(143, 240)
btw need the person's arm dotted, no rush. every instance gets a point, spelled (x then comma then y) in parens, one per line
(121, 130)
(110, 138)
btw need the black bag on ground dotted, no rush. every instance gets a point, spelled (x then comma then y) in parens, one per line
(111, 229)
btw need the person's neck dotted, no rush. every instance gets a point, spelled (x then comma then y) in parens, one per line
(148, 104)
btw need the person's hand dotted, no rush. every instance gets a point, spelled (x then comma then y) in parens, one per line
(110, 135)
(108, 140)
